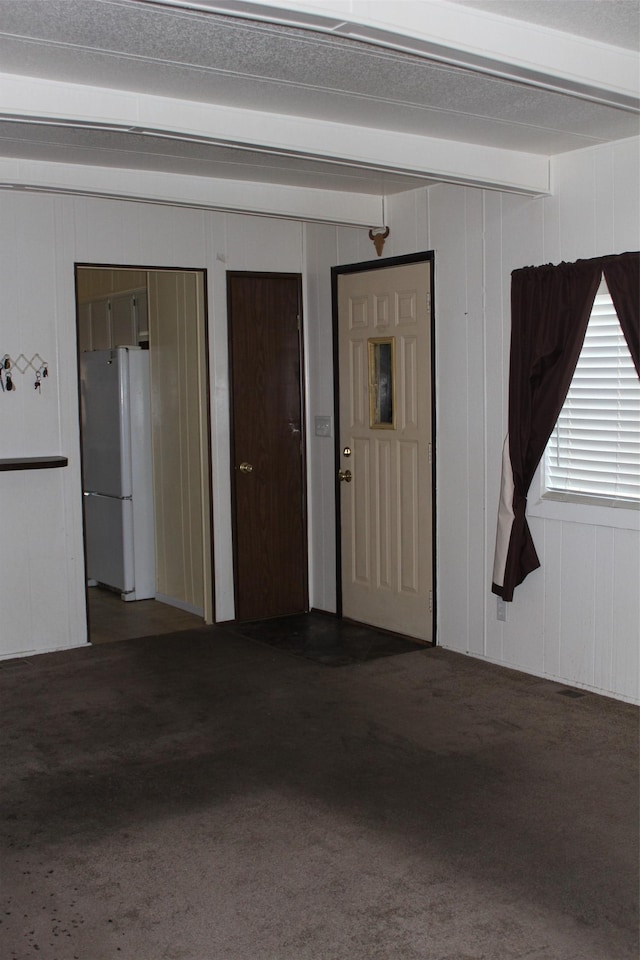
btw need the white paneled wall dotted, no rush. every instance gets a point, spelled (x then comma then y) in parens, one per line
(577, 618)
(321, 255)
(42, 593)
(326, 246)
(39, 592)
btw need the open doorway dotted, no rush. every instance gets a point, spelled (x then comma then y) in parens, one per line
(142, 349)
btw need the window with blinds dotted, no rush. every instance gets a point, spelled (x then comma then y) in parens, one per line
(594, 450)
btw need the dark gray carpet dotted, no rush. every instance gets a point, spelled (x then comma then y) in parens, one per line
(204, 797)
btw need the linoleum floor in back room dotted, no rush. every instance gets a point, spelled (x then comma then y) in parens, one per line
(111, 618)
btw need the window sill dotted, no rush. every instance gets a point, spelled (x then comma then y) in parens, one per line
(569, 508)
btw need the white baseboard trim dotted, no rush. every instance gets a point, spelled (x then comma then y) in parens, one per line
(180, 604)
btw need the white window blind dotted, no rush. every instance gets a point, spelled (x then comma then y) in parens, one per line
(594, 450)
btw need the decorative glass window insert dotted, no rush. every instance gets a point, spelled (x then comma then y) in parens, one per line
(594, 450)
(382, 383)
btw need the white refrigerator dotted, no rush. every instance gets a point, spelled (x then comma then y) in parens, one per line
(117, 471)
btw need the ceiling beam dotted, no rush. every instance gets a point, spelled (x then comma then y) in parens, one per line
(203, 193)
(31, 100)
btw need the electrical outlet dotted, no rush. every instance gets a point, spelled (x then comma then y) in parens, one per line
(501, 609)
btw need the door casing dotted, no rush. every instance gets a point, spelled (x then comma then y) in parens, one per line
(427, 258)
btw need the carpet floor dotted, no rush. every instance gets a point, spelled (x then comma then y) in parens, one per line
(203, 796)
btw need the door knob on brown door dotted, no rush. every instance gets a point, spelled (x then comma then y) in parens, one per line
(344, 476)
(246, 467)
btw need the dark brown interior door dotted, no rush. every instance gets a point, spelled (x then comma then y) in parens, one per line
(269, 515)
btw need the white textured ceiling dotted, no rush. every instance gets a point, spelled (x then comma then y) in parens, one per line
(186, 52)
(617, 23)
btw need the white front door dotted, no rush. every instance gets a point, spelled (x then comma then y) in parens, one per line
(384, 346)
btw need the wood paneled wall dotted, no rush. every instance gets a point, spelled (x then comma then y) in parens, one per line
(96, 283)
(42, 588)
(179, 437)
(577, 618)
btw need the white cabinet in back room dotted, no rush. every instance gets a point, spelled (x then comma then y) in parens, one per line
(115, 321)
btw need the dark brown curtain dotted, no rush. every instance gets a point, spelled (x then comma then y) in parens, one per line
(623, 279)
(550, 309)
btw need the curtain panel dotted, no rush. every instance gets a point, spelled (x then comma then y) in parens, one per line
(550, 309)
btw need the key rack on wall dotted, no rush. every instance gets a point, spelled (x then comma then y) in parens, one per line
(22, 364)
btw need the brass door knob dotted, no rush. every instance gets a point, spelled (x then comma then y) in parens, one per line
(344, 476)
(246, 468)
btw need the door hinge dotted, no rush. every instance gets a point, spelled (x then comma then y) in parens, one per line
(428, 303)
(430, 601)
(430, 453)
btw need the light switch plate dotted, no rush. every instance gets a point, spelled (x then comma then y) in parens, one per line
(323, 426)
